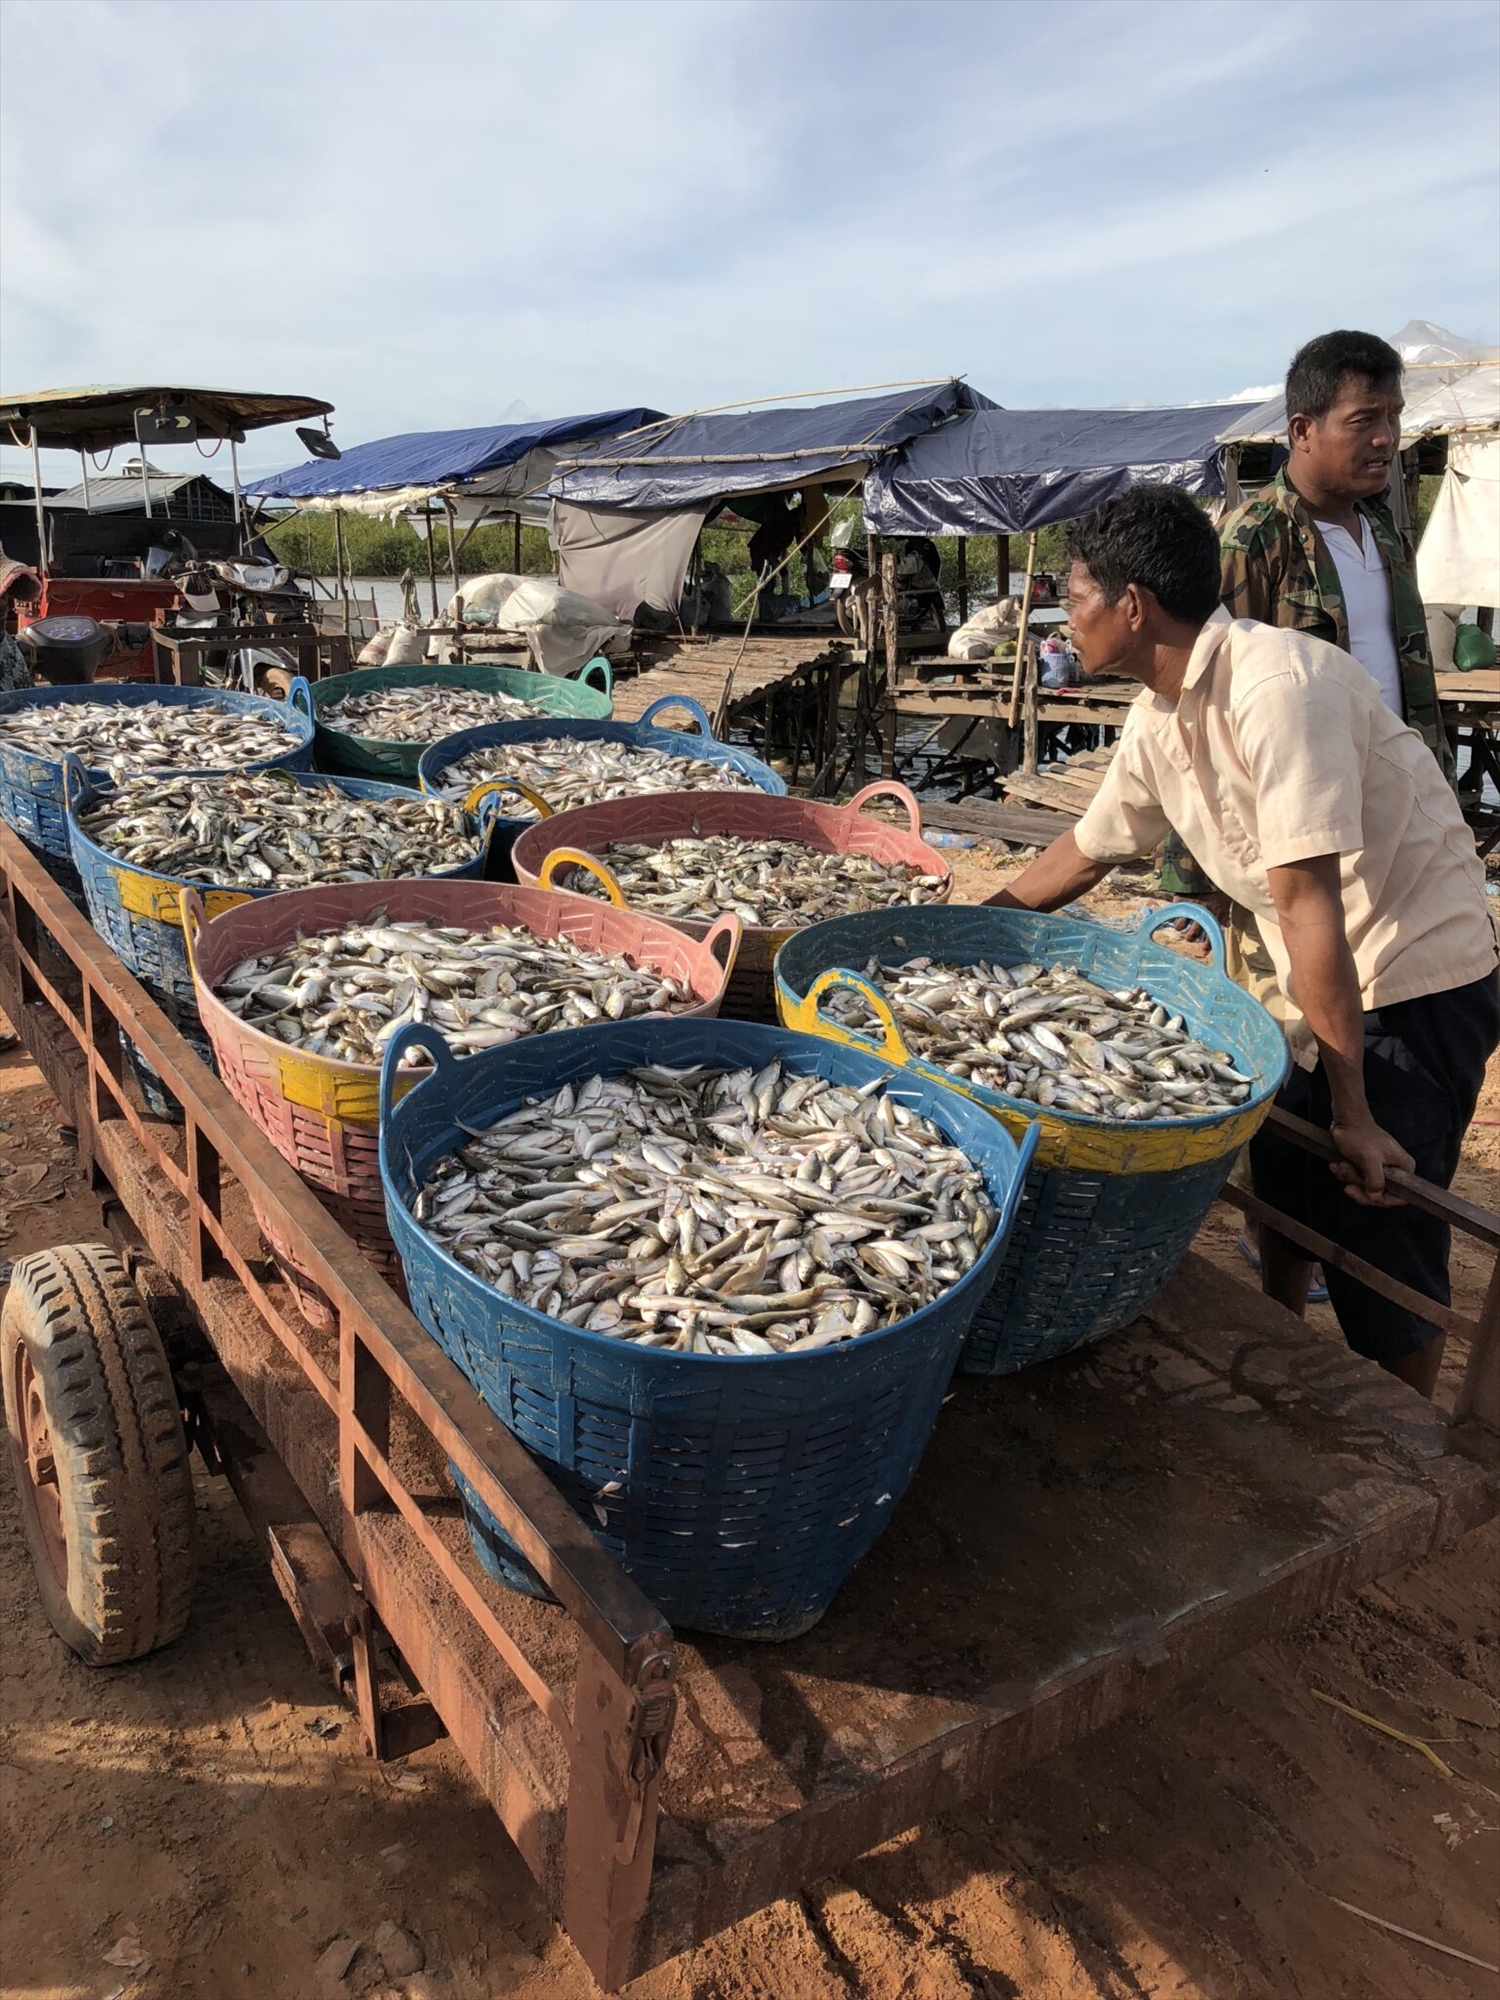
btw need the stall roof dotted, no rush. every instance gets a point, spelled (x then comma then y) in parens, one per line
(126, 495)
(97, 419)
(1452, 384)
(691, 461)
(429, 459)
(998, 472)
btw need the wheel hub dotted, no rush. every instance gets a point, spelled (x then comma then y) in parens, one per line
(41, 1462)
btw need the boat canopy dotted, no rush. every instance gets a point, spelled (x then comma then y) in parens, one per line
(97, 419)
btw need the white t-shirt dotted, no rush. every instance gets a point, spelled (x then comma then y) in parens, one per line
(1367, 605)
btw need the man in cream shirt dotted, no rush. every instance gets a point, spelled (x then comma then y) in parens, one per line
(1318, 810)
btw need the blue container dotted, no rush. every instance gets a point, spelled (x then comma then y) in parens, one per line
(747, 1487)
(139, 911)
(498, 736)
(31, 785)
(1109, 1209)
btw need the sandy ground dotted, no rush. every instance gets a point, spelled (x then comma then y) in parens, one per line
(203, 1826)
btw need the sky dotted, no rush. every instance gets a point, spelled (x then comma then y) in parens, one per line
(461, 211)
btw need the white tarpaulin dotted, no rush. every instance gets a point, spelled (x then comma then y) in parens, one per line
(1451, 384)
(1459, 560)
(562, 629)
(623, 559)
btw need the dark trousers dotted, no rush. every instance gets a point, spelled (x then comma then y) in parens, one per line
(1424, 1068)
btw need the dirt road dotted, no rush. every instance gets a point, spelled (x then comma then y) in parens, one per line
(203, 1826)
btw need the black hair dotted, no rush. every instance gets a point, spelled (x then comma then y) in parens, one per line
(1317, 370)
(1154, 536)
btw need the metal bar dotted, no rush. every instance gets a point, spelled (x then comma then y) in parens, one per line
(1441, 1202)
(241, 514)
(610, 1609)
(1339, 1259)
(375, 1463)
(1478, 1397)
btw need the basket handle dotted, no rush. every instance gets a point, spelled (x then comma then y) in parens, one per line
(889, 1042)
(729, 931)
(491, 788)
(300, 696)
(888, 788)
(604, 679)
(701, 723)
(1172, 913)
(576, 857)
(75, 781)
(414, 1035)
(194, 917)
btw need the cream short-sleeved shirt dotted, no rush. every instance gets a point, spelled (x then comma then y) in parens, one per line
(1278, 749)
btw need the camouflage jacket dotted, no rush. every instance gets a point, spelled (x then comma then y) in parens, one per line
(1277, 569)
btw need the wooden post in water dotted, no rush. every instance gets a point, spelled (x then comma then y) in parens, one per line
(339, 560)
(515, 545)
(890, 606)
(431, 562)
(963, 579)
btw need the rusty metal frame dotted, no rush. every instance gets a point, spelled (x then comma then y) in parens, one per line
(73, 1004)
(355, 1541)
(1478, 1398)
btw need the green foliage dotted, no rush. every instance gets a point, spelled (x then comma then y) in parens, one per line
(386, 548)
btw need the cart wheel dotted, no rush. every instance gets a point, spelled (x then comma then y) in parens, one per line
(100, 1459)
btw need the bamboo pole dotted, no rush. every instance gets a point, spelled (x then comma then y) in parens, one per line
(339, 558)
(41, 511)
(452, 542)
(890, 606)
(1014, 715)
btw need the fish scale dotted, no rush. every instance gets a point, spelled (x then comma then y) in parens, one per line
(343, 993)
(572, 772)
(1050, 1036)
(260, 830)
(423, 714)
(686, 1209)
(148, 735)
(774, 883)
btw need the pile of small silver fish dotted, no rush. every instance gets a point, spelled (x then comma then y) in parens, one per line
(713, 1211)
(1051, 1036)
(262, 830)
(148, 736)
(782, 884)
(584, 772)
(344, 993)
(422, 714)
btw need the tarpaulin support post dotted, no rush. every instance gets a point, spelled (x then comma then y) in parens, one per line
(963, 579)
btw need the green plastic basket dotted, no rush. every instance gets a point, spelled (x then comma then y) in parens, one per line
(587, 696)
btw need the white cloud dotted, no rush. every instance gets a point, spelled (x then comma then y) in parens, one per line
(432, 214)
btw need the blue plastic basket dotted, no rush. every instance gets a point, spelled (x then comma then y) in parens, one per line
(744, 1489)
(498, 736)
(138, 910)
(31, 788)
(1109, 1209)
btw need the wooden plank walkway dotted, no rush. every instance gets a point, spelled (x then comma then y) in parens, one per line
(703, 669)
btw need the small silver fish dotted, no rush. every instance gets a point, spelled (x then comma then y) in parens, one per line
(149, 736)
(819, 1212)
(782, 884)
(425, 713)
(570, 772)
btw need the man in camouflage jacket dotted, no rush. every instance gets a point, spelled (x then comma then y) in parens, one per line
(1277, 569)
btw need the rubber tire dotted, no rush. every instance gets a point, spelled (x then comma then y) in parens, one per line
(124, 1480)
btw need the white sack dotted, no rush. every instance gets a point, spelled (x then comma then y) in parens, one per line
(408, 647)
(980, 635)
(563, 630)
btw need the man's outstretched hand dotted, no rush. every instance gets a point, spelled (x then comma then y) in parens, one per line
(1367, 1153)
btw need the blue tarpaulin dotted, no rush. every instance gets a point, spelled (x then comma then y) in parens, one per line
(1000, 471)
(439, 458)
(695, 461)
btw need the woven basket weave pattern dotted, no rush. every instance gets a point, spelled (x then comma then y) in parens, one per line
(1109, 1209)
(746, 1489)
